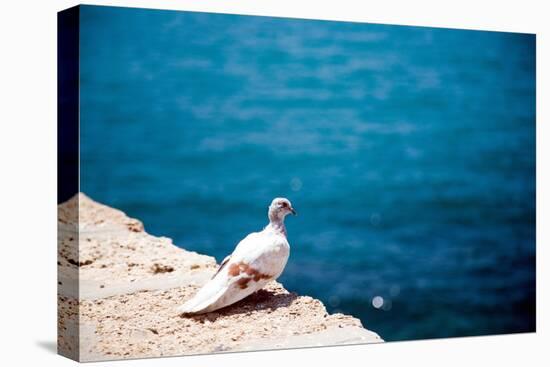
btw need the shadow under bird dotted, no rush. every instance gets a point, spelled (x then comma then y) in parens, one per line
(259, 258)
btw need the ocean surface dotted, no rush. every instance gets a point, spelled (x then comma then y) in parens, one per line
(408, 152)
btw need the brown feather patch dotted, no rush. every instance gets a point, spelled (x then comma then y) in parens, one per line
(243, 282)
(249, 272)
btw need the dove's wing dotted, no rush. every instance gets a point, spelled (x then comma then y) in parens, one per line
(257, 259)
(222, 265)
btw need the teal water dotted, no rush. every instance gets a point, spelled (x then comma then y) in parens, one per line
(408, 152)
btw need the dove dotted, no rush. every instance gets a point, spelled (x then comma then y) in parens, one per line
(258, 259)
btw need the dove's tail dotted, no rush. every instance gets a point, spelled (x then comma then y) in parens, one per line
(206, 300)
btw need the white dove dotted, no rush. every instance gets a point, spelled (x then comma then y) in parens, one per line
(259, 258)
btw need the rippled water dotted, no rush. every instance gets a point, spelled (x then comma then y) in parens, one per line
(409, 153)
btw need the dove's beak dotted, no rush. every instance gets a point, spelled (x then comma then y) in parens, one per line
(293, 211)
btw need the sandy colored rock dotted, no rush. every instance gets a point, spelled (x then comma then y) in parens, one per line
(118, 296)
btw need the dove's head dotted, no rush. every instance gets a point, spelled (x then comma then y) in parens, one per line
(280, 208)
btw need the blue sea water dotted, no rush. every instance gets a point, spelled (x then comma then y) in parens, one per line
(408, 152)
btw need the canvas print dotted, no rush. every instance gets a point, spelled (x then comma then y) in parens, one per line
(234, 183)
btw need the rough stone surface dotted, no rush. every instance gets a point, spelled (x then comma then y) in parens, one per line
(118, 296)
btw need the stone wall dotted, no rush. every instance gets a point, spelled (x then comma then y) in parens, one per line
(118, 289)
